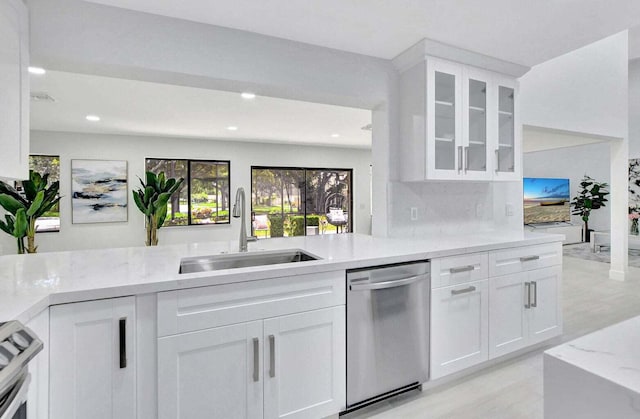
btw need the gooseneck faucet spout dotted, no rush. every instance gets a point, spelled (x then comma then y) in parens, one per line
(239, 211)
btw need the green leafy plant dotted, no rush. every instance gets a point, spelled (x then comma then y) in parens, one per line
(24, 210)
(591, 197)
(152, 201)
(276, 225)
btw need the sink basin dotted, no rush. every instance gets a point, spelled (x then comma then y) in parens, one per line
(242, 260)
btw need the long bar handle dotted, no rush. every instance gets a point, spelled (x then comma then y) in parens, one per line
(459, 269)
(463, 291)
(497, 160)
(122, 326)
(529, 258)
(466, 159)
(527, 293)
(459, 159)
(385, 284)
(272, 356)
(256, 359)
(534, 287)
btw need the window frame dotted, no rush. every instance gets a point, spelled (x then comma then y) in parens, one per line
(187, 181)
(305, 170)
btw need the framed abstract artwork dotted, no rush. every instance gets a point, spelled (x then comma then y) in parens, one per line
(99, 192)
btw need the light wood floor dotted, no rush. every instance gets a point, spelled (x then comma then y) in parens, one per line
(513, 390)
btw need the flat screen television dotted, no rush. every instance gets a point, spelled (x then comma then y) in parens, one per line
(546, 200)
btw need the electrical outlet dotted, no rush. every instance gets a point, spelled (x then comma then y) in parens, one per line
(414, 213)
(508, 210)
(479, 210)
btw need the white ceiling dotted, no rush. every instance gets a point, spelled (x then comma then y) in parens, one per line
(520, 31)
(143, 108)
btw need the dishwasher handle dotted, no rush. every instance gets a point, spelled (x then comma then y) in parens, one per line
(387, 284)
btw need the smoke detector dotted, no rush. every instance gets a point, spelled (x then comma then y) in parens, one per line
(41, 97)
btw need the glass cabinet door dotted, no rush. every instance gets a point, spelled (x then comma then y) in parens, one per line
(445, 121)
(506, 130)
(475, 158)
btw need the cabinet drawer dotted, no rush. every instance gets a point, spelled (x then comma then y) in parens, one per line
(458, 269)
(205, 307)
(520, 259)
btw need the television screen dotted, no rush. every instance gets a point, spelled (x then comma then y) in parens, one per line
(546, 200)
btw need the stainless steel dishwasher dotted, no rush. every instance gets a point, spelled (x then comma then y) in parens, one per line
(387, 331)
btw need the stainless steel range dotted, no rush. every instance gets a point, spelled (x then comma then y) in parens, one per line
(18, 345)
(387, 331)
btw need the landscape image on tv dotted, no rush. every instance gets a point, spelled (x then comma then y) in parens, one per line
(546, 200)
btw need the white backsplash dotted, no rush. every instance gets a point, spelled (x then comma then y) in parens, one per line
(453, 208)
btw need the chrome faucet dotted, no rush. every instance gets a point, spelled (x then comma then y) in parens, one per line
(239, 211)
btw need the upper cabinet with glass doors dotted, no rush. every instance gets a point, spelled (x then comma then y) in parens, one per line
(458, 123)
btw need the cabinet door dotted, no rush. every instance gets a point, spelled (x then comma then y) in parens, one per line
(459, 327)
(476, 86)
(545, 314)
(508, 153)
(92, 368)
(14, 90)
(213, 373)
(507, 314)
(38, 397)
(445, 146)
(304, 365)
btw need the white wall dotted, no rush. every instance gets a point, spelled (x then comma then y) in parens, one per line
(82, 37)
(582, 91)
(591, 159)
(135, 149)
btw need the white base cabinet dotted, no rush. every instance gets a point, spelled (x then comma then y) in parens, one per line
(459, 330)
(288, 366)
(92, 348)
(213, 373)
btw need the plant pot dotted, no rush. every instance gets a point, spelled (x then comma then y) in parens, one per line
(587, 237)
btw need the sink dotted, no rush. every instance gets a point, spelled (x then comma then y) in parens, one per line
(242, 260)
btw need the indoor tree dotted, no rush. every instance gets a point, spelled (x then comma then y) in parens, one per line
(23, 209)
(590, 197)
(152, 201)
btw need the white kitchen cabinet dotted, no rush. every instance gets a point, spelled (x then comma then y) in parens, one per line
(304, 365)
(92, 351)
(38, 398)
(289, 366)
(14, 89)
(524, 310)
(212, 373)
(459, 327)
(458, 122)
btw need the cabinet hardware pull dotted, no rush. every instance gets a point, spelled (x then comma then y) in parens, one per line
(529, 258)
(466, 159)
(461, 269)
(527, 293)
(122, 326)
(534, 285)
(459, 159)
(463, 291)
(497, 160)
(272, 356)
(256, 359)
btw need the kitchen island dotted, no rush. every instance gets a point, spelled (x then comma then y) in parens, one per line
(239, 341)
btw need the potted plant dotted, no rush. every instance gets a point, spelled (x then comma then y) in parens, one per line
(152, 201)
(24, 210)
(591, 197)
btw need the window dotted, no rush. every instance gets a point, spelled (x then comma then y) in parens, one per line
(289, 201)
(204, 196)
(50, 165)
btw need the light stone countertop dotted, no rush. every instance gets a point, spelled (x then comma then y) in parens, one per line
(612, 353)
(30, 283)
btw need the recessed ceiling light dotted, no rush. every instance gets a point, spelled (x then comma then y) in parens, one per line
(37, 70)
(248, 95)
(335, 135)
(92, 118)
(232, 128)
